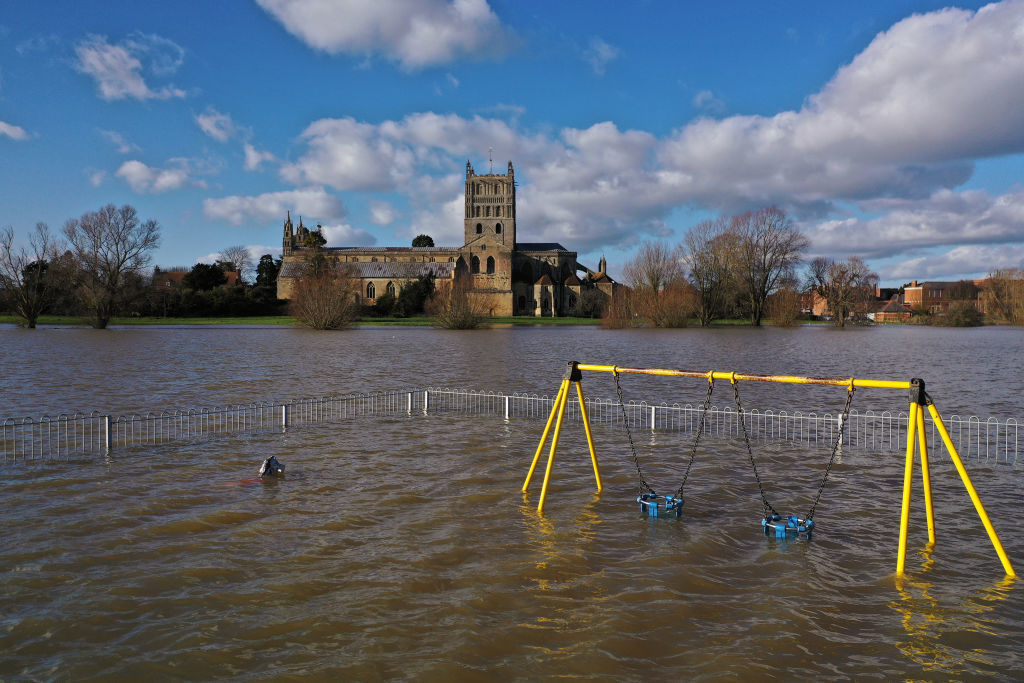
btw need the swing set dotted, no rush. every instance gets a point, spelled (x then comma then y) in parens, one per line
(773, 523)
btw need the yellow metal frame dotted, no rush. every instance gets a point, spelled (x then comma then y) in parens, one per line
(916, 439)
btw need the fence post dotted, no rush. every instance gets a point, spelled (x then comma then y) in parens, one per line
(426, 402)
(652, 417)
(284, 417)
(506, 407)
(106, 433)
(840, 421)
(408, 408)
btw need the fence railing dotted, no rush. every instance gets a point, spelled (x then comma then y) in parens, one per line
(988, 440)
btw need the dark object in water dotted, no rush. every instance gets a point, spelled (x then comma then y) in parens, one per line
(271, 468)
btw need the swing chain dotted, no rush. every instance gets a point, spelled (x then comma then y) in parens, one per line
(835, 449)
(750, 454)
(629, 435)
(700, 431)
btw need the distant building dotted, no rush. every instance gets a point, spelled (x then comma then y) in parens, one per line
(935, 297)
(505, 277)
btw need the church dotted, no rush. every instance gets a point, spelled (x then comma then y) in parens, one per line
(504, 277)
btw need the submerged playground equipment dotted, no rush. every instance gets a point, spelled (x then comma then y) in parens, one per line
(773, 522)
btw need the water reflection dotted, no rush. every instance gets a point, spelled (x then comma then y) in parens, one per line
(942, 636)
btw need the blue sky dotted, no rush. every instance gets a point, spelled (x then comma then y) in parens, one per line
(889, 130)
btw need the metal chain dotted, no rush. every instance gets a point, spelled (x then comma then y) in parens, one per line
(700, 430)
(629, 435)
(746, 439)
(835, 449)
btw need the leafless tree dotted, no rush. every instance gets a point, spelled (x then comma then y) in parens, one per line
(768, 249)
(1002, 295)
(707, 253)
(453, 307)
(28, 278)
(847, 286)
(784, 304)
(239, 259)
(324, 297)
(108, 244)
(660, 295)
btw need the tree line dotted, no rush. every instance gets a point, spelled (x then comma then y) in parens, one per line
(97, 268)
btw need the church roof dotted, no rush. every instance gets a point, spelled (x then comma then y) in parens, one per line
(572, 281)
(540, 246)
(389, 269)
(545, 279)
(398, 249)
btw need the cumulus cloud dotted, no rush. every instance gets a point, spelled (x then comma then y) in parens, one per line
(902, 119)
(145, 179)
(945, 218)
(254, 158)
(967, 262)
(13, 132)
(218, 126)
(314, 202)
(598, 54)
(413, 33)
(123, 144)
(382, 213)
(118, 68)
(707, 101)
(344, 235)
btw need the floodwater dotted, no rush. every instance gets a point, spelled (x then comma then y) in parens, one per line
(401, 548)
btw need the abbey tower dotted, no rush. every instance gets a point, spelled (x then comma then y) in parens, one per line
(490, 208)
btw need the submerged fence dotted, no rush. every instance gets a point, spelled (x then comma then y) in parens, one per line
(985, 440)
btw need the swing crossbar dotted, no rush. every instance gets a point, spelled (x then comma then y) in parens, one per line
(916, 441)
(749, 377)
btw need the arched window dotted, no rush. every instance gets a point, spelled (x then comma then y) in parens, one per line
(522, 305)
(431, 259)
(391, 288)
(487, 212)
(355, 259)
(451, 259)
(497, 229)
(478, 188)
(475, 264)
(373, 259)
(371, 291)
(490, 265)
(479, 228)
(497, 211)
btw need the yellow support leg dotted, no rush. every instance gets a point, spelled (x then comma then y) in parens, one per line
(590, 439)
(926, 479)
(908, 472)
(544, 437)
(970, 489)
(554, 446)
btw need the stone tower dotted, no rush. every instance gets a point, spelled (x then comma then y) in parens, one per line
(490, 208)
(288, 243)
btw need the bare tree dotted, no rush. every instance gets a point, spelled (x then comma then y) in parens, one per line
(239, 260)
(768, 249)
(108, 244)
(1002, 295)
(847, 286)
(660, 295)
(325, 294)
(707, 251)
(453, 308)
(28, 277)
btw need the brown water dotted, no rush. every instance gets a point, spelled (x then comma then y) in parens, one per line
(401, 548)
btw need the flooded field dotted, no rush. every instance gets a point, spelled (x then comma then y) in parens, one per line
(401, 548)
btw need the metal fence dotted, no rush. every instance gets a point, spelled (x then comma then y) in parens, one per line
(987, 440)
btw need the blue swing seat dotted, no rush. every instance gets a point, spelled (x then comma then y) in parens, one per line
(653, 505)
(782, 527)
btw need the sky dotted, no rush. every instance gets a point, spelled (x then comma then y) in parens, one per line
(891, 130)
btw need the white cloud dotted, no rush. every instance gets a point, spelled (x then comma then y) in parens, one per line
(344, 235)
(145, 179)
(218, 126)
(967, 262)
(902, 119)
(254, 158)
(382, 213)
(310, 201)
(413, 33)
(96, 178)
(123, 144)
(598, 54)
(117, 68)
(946, 218)
(706, 100)
(13, 132)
